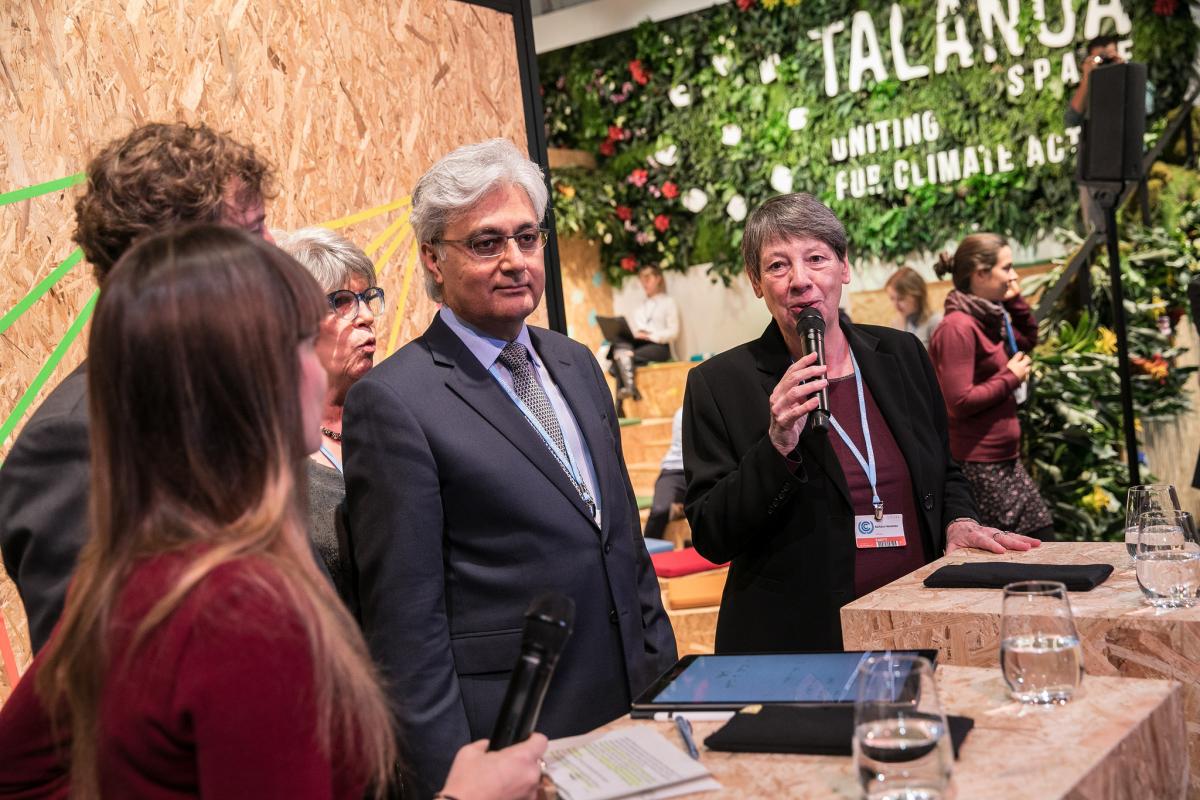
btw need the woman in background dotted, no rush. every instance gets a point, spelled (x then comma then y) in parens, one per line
(346, 347)
(906, 290)
(655, 326)
(980, 354)
(201, 652)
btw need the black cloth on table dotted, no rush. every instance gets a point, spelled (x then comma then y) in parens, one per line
(820, 730)
(997, 575)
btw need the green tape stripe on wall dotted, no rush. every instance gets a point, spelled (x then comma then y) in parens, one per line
(37, 190)
(44, 286)
(48, 368)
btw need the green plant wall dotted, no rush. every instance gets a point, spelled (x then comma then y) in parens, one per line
(694, 120)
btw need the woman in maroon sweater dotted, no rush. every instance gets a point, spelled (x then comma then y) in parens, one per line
(201, 652)
(980, 352)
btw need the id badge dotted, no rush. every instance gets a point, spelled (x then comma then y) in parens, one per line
(870, 533)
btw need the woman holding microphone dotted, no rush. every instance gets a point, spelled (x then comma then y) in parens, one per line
(812, 519)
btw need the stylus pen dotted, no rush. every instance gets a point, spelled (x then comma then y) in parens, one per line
(685, 732)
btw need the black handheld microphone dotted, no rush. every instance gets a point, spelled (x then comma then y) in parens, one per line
(548, 624)
(810, 327)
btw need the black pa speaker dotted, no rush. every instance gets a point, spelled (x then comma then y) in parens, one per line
(1110, 149)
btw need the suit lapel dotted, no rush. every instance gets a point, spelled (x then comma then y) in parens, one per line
(580, 395)
(469, 380)
(772, 359)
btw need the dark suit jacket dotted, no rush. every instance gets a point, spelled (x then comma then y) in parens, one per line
(790, 535)
(44, 503)
(460, 516)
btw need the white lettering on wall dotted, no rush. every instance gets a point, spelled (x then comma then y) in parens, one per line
(904, 71)
(995, 20)
(1098, 10)
(864, 51)
(826, 35)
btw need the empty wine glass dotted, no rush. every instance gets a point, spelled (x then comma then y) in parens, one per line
(1139, 500)
(1040, 654)
(901, 743)
(1167, 560)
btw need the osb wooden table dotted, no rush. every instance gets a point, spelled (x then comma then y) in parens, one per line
(1121, 635)
(1119, 738)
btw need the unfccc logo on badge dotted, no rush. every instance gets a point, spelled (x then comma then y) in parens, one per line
(866, 527)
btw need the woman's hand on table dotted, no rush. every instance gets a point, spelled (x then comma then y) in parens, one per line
(969, 533)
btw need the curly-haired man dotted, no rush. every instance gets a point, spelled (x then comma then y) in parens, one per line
(156, 177)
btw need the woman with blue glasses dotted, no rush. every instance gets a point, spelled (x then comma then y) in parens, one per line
(346, 346)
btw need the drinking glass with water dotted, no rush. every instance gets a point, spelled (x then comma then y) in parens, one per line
(901, 743)
(1167, 560)
(1040, 654)
(1139, 500)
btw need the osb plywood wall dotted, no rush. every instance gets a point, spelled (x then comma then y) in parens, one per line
(351, 99)
(586, 293)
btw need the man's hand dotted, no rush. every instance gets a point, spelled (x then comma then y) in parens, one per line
(969, 533)
(793, 400)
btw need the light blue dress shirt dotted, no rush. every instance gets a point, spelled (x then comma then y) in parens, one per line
(487, 350)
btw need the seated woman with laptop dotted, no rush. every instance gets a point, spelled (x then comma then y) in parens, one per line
(645, 338)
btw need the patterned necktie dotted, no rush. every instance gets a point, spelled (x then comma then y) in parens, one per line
(530, 392)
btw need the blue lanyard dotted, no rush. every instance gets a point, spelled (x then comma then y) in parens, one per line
(867, 464)
(325, 451)
(564, 459)
(1008, 332)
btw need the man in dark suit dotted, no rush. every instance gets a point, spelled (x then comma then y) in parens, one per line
(483, 468)
(813, 519)
(153, 178)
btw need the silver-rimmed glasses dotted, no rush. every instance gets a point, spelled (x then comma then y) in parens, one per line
(492, 245)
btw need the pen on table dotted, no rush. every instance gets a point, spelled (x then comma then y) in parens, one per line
(685, 732)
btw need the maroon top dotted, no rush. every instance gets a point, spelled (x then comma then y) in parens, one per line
(972, 367)
(876, 566)
(217, 701)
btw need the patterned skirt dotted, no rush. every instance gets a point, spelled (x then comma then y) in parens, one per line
(1007, 497)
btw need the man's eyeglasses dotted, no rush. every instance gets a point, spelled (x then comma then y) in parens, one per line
(492, 245)
(345, 303)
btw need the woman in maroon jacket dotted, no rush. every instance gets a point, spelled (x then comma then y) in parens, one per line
(980, 352)
(201, 652)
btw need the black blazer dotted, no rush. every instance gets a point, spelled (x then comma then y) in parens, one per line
(460, 516)
(790, 536)
(44, 503)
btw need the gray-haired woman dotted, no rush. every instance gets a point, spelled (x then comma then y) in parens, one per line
(346, 346)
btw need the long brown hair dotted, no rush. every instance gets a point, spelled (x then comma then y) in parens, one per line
(197, 439)
(907, 282)
(975, 252)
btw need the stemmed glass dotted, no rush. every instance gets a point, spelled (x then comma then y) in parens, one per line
(1040, 654)
(1167, 560)
(1139, 500)
(902, 747)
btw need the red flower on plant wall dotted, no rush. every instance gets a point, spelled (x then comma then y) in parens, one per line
(670, 190)
(624, 213)
(744, 5)
(638, 177)
(1165, 8)
(607, 148)
(639, 72)
(629, 263)
(661, 223)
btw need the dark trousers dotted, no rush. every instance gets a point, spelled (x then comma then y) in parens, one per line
(669, 488)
